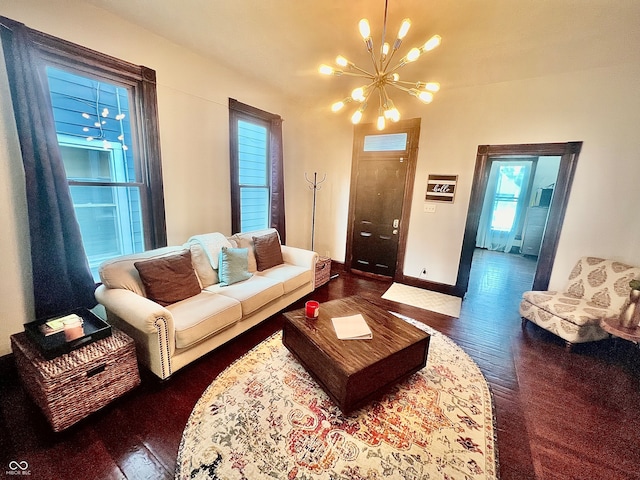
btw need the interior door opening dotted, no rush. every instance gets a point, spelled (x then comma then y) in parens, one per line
(517, 205)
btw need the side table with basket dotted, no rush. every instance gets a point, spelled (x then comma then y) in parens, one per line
(70, 380)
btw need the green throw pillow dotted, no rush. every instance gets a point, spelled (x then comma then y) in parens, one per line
(233, 264)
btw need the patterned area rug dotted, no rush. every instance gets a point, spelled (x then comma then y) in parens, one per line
(425, 299)
(266, 418)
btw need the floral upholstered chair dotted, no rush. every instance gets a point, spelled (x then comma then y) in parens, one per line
(597, 288)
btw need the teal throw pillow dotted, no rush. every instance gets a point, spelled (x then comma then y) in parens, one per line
(233, 265)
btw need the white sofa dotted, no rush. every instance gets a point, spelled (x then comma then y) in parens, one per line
(170, 337)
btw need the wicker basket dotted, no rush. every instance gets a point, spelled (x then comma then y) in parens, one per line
(71, 386)
(323, 271)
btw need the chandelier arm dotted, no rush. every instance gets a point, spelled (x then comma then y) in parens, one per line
(361, 75)
(373, 60)
(397, 67)
(362, 70)
(405, 82)
(387, 98)
(399, 87)
(389, 60)
(366, 98)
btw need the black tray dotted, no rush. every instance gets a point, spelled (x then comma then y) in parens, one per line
(52, 346)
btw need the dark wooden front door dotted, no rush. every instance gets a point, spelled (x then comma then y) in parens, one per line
(379, 195)
(381, 187)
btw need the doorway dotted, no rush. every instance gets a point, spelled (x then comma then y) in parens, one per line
(492, 157)
(382, 178)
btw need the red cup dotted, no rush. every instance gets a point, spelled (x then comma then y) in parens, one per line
(311, 309)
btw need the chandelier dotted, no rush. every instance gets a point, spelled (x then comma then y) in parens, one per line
(383, 74)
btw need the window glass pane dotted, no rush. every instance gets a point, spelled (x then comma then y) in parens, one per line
(252, 154)
(93, 114)
(385, 143)
(504, 212)
(508, 189)
(110, 221)
(254, 208)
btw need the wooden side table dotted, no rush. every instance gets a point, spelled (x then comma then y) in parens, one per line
(612, 325)
(69, 387)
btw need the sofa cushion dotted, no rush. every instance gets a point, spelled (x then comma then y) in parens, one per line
(202, 265)
(211, 243)
(602, 282)
(291, 276)
(120, 272)
(168, 279)
(568, 330)
(252, 294)
(245, 240)
(578, 311)
(233, 266)
(201, 316)
(267, 250)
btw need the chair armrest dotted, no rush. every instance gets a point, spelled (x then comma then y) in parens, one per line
(148, 323)
(299, 257)
(139, 312)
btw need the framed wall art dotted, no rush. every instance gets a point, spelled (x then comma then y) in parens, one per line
(441, 188)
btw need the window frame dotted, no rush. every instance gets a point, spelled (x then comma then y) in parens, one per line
(141, 80)
(239, 111)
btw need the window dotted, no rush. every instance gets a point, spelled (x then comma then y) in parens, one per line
(111, 157)
(389, 142)
(256, 168)
(509, 188)
(253, 175)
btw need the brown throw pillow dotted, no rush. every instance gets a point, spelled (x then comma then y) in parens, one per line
(268, 251)
(168, 279)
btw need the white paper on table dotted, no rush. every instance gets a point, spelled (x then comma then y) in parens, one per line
(353, 327)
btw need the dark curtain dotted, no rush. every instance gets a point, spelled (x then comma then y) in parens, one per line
(277, 179)
(62, 280)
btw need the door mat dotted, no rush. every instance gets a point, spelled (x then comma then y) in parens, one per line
(425, 299)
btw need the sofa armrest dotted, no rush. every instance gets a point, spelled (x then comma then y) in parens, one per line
(149, 324)
(299, 257)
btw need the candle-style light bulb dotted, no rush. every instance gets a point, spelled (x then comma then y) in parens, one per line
(432, 43)
(413, 54)
(358, 94)
(326, 69)
(404, 28)
(432, 86)
(364, 28)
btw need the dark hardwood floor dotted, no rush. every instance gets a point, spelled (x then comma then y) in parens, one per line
(559, 415)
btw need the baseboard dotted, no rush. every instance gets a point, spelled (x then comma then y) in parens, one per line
(428, 285)
(337, 267)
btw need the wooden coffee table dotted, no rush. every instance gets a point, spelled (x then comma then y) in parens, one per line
(354, 372)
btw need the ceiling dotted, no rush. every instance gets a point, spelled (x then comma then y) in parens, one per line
(282, 42)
